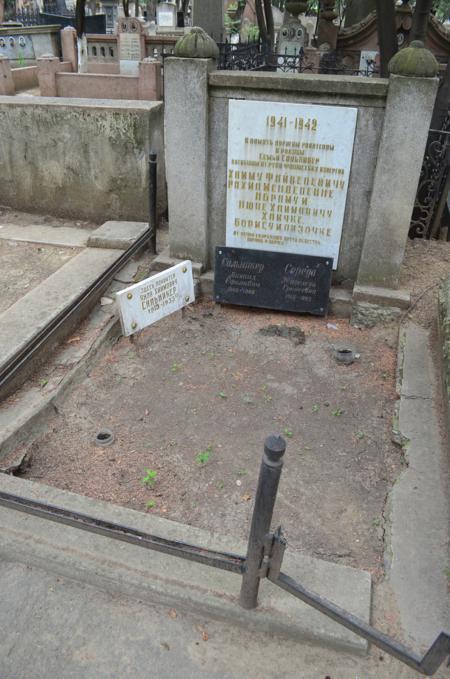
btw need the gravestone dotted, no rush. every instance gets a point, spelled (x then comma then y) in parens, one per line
(272, 280)
(209, 15)
(131, 45)
(154, 298)
(287, 176)
(166, 16)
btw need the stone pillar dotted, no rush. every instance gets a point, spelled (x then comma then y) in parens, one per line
(6, 80)
(69, 47)
(186, 139)
(412, 90)
(149, 85)
(47, 68)
(327, 31)
(208, 14)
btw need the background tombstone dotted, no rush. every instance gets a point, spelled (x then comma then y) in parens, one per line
(131, 45)
(208, 14)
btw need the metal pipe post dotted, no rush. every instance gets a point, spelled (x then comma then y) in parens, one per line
(269, 477)
(152, 194)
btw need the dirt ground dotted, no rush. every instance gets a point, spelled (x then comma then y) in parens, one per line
(426, 263)
(10, 216)
(25, 265)
(191, 401)
(192, 398)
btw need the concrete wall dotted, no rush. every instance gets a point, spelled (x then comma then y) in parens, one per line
(97, 86)
(25, 78)
(366, 94)
(80, 157)
(40, 40)
(56, 79)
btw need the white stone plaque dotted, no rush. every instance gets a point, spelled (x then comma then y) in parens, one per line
(130, 47)
(166, 19)
(154, 298)
(288, 173)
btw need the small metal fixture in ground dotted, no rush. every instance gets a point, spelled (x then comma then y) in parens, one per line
(344, 355)
(104, 438)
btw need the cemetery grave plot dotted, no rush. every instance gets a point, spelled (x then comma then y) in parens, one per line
(25, 265)
(190, 401)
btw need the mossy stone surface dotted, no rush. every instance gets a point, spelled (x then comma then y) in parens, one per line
(414, 61)
(196, 44)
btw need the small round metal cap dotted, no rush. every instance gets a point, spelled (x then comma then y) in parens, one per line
(274, 447)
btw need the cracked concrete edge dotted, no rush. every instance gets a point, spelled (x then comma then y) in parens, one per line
(29, 417)
(416, 507)
(156, 578)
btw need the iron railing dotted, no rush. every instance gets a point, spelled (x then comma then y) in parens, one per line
(264, 558)
(433, 184)
(257, 56)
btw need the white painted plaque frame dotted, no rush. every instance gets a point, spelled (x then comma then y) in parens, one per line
(287, 176)
(154, 298)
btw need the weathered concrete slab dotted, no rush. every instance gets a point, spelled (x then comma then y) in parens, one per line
(50, 235)
(116, 235)
(419, 500)
(153, 577)
(25, 319)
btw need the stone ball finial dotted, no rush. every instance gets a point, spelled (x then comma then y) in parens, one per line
(414, 61)
(196, 44)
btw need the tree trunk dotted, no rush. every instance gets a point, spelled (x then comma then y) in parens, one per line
(151, 10)
(136, 8)
(2, 10)
(420, 21)
(357, 10)
(261, 21)
(80, 14)
(126, 7)
(387, 34)
(269, 23)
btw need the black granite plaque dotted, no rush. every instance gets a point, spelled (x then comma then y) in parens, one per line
(272, 280)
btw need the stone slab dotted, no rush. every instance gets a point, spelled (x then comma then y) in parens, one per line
(288, 175)
(373, 88)
(116, 235)
(31, 314)
(146, 302)
(419, 532)
(165, 261)
(64, 236)
(272, 280)
(118, 567)
(382, 296)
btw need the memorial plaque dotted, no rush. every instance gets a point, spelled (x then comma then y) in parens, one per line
(272, 280)
(287, 176)
(154, 298)
(130, 47)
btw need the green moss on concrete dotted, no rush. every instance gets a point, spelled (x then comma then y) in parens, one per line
(414, 61)
(444, 333)
(196, 44)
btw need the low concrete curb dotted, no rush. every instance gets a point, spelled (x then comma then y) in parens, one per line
(417, 530)
(444, 337)
(157, 578)
(116, 235)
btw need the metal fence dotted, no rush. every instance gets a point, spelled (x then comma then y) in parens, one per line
(264, 558)
(257, 56)
(434, 185)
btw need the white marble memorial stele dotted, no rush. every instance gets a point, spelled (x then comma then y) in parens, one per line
(154, 298)
(287, 176)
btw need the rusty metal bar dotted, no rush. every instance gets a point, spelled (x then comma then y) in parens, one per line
(428, 665)
(266, 494)
(208, 557)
